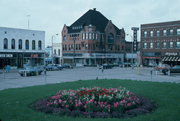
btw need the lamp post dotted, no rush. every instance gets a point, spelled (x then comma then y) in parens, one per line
(52, 39)
(132, 49)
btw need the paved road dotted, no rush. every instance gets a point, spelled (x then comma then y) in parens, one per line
(14, 80)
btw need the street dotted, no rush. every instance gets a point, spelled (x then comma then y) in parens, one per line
(14, 80)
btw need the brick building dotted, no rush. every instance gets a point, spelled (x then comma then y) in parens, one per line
(92, 40)
(160, 42)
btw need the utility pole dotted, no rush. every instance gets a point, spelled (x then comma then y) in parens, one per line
(28, 16)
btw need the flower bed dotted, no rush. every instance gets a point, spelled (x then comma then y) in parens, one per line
(95, 102)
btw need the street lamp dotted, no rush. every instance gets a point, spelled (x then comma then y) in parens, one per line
(52, 38)
(131, 48)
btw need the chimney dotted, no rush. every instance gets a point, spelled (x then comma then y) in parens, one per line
(94, 9)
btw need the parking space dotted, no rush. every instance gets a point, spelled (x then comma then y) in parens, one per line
(14, 80)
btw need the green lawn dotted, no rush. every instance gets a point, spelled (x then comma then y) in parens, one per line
(14, 102)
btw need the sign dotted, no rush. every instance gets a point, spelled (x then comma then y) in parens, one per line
(34, 55)
(171, 54)
(6, 55)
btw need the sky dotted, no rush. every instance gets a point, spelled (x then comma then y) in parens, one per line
(51, 15)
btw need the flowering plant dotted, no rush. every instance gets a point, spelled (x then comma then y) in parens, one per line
(95, 99)
(95, 102)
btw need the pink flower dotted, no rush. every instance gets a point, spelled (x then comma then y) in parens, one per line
(129, 104)
(67, 106)
(116, 104)
(77, 105)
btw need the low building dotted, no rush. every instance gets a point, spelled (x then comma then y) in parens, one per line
(92, 40)
(160, 43)
(20, 47)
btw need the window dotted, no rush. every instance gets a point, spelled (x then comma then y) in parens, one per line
(59, 52)
(96, 36)
(39, 45)
(54, 51)
(13, 44)
(151, 45)
(83, 37)
(164, 32)
(145, 33)
(171, 44)
(90, 37)
(110, 38)
(86, 35)
(93, 36)
(158, 33)
(171, 32)
(33, 45)
(151, 33)
(164, 44)
(145, 45)
(178, 31)
(64, 37)
(178, 44)
(27, 44)
(20, 43)
(157, 45)
(5, 43)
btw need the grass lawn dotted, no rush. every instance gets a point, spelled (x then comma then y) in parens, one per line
(14, 102)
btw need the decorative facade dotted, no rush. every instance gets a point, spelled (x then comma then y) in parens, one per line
(92, 40)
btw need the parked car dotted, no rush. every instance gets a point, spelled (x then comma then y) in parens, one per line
(51, 67)
(127, 64)
(31, 71)
(60, 67)
(68, 66)
(106, 66)
(161, 67)
(175, 69)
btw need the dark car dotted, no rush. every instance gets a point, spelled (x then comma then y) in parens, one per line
(67, 66)
(51, 67)
(106, 66)
(60, 67)
(175, 69)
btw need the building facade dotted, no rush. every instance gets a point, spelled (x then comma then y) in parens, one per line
(92, 40)
(20, 47)
(160, 43)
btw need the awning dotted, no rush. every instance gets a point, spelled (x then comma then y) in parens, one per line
(167, 58)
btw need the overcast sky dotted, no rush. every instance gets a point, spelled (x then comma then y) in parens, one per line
(51, 15)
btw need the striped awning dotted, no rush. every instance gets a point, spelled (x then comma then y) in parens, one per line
(167, 58)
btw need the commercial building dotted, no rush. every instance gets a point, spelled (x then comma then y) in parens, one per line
(92, 40)
(160, 43)
(20, 47)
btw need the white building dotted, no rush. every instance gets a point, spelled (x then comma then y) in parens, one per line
(21, 46)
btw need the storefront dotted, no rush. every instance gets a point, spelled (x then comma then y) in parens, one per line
(19, 60)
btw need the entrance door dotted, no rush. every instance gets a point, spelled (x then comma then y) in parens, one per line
(20, 60)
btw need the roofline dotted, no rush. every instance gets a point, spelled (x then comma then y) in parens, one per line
(22, 29)
(166, 22)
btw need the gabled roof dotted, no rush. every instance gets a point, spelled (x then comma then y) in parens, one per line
(91, 17)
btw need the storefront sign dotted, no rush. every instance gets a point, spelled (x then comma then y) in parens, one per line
(6, 55)
(171, 54)
(34, 55)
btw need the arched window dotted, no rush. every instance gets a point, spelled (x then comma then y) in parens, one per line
(13, 44)
(110, 38)
(27, 44)
(33, 45)
(20, 43)
(39, 45)
(5, 43)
